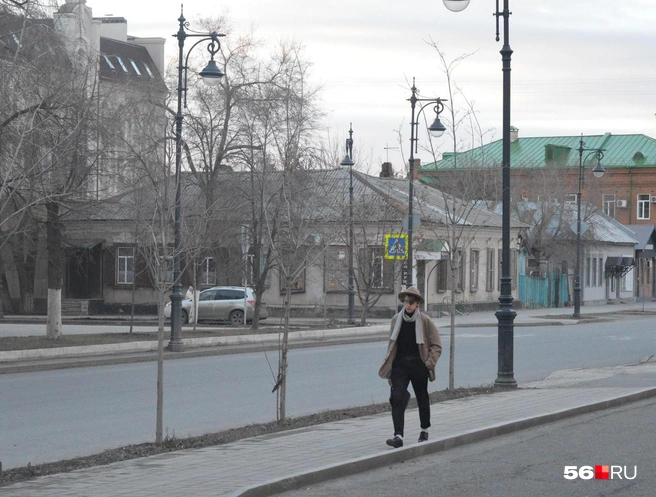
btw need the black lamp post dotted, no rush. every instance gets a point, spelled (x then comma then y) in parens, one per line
(505, 315)
(211, 76)
(348, 161)
(598, 171)
(436, 129)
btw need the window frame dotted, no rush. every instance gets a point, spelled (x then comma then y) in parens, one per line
(123, 266)
(608, 205)
(474, 260)
(205, 272)
(643, 206)
(490, 269)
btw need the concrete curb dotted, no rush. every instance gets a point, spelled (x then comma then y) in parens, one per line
(151, 345)
(366, 463)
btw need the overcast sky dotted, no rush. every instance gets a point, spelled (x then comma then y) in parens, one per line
(579, 66)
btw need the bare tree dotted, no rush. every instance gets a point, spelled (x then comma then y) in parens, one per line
(460, 216)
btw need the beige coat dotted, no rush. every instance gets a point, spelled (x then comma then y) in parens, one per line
(429, 351)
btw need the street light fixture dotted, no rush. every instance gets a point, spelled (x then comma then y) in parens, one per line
(436, 130)
(348, 161)
(505, 315)
(598, 172)
(211, 76)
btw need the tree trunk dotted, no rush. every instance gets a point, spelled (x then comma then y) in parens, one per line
(24, 255)
(282, 368)
(452, 341)
(55, 270)
(160, 368)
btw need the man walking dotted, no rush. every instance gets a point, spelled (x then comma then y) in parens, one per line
(413, 350)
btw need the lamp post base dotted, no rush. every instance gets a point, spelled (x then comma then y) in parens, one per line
(505, 382)
(175, 346)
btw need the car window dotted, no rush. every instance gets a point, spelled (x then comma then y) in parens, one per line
(208, 295)
(237, 295)
(223, 295)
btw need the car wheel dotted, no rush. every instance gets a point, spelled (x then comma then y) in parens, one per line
(237, 318)
(184, 316)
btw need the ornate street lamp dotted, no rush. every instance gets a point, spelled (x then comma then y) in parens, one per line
(436, 130)
(505, 315)
(348, 161)
(598, 172)
(211, 76)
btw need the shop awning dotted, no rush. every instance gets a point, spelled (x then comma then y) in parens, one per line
(619, 266)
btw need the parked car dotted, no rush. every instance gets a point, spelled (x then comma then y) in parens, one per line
(222, 303)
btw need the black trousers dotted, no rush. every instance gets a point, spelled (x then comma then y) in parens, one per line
(406, 371)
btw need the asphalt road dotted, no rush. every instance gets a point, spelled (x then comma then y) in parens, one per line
(529, 463)
(51, 415)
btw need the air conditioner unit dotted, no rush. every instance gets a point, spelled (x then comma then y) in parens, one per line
(653, 199)
(622, 203)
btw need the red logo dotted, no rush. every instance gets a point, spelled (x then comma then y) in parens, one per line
(601, 473)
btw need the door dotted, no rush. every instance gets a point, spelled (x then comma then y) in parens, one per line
(83, 270)
(206, 303)
(229, 300)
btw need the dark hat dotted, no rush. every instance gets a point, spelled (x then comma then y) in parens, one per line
(411, 291)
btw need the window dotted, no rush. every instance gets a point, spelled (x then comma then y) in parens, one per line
(587, 272)
(570, 198)
(491, 270)
(336, 270)
(150, 73)
(459, 260)
(377, 268)
(643, 206)
(648, 271)
(134, 66)
(594, 272)
(109, 62)
(120, 61)
(608, 202)
(125, 265)
(208, 272)
(600, 276)
(473, 269)
(208, 295)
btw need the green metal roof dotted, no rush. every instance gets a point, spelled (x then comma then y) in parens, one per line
(539, 152)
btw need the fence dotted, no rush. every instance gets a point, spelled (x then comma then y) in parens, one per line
(550, 290)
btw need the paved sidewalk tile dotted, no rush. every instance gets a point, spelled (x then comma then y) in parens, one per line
(228, 470)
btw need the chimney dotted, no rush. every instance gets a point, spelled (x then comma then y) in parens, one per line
(514, 134)
(386, 171)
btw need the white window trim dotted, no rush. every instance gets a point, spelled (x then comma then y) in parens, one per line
(122, 266)
(645, 204)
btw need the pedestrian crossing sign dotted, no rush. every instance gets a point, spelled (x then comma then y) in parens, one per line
(396, 247)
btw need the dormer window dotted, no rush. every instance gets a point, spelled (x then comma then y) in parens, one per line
(136, 69)
(120, 61)
(109, 63)
(150, 73)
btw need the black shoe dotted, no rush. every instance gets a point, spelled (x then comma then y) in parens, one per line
(395, 442)
(423, 436)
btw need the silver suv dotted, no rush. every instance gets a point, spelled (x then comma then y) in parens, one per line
(222, 303)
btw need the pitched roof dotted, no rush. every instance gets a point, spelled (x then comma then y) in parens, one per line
(644, 234)
(127, 62)
(603, 228)
(328, 187)
(538, 152)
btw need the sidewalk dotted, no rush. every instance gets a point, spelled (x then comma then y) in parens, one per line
(378, 329)
(270, 464)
